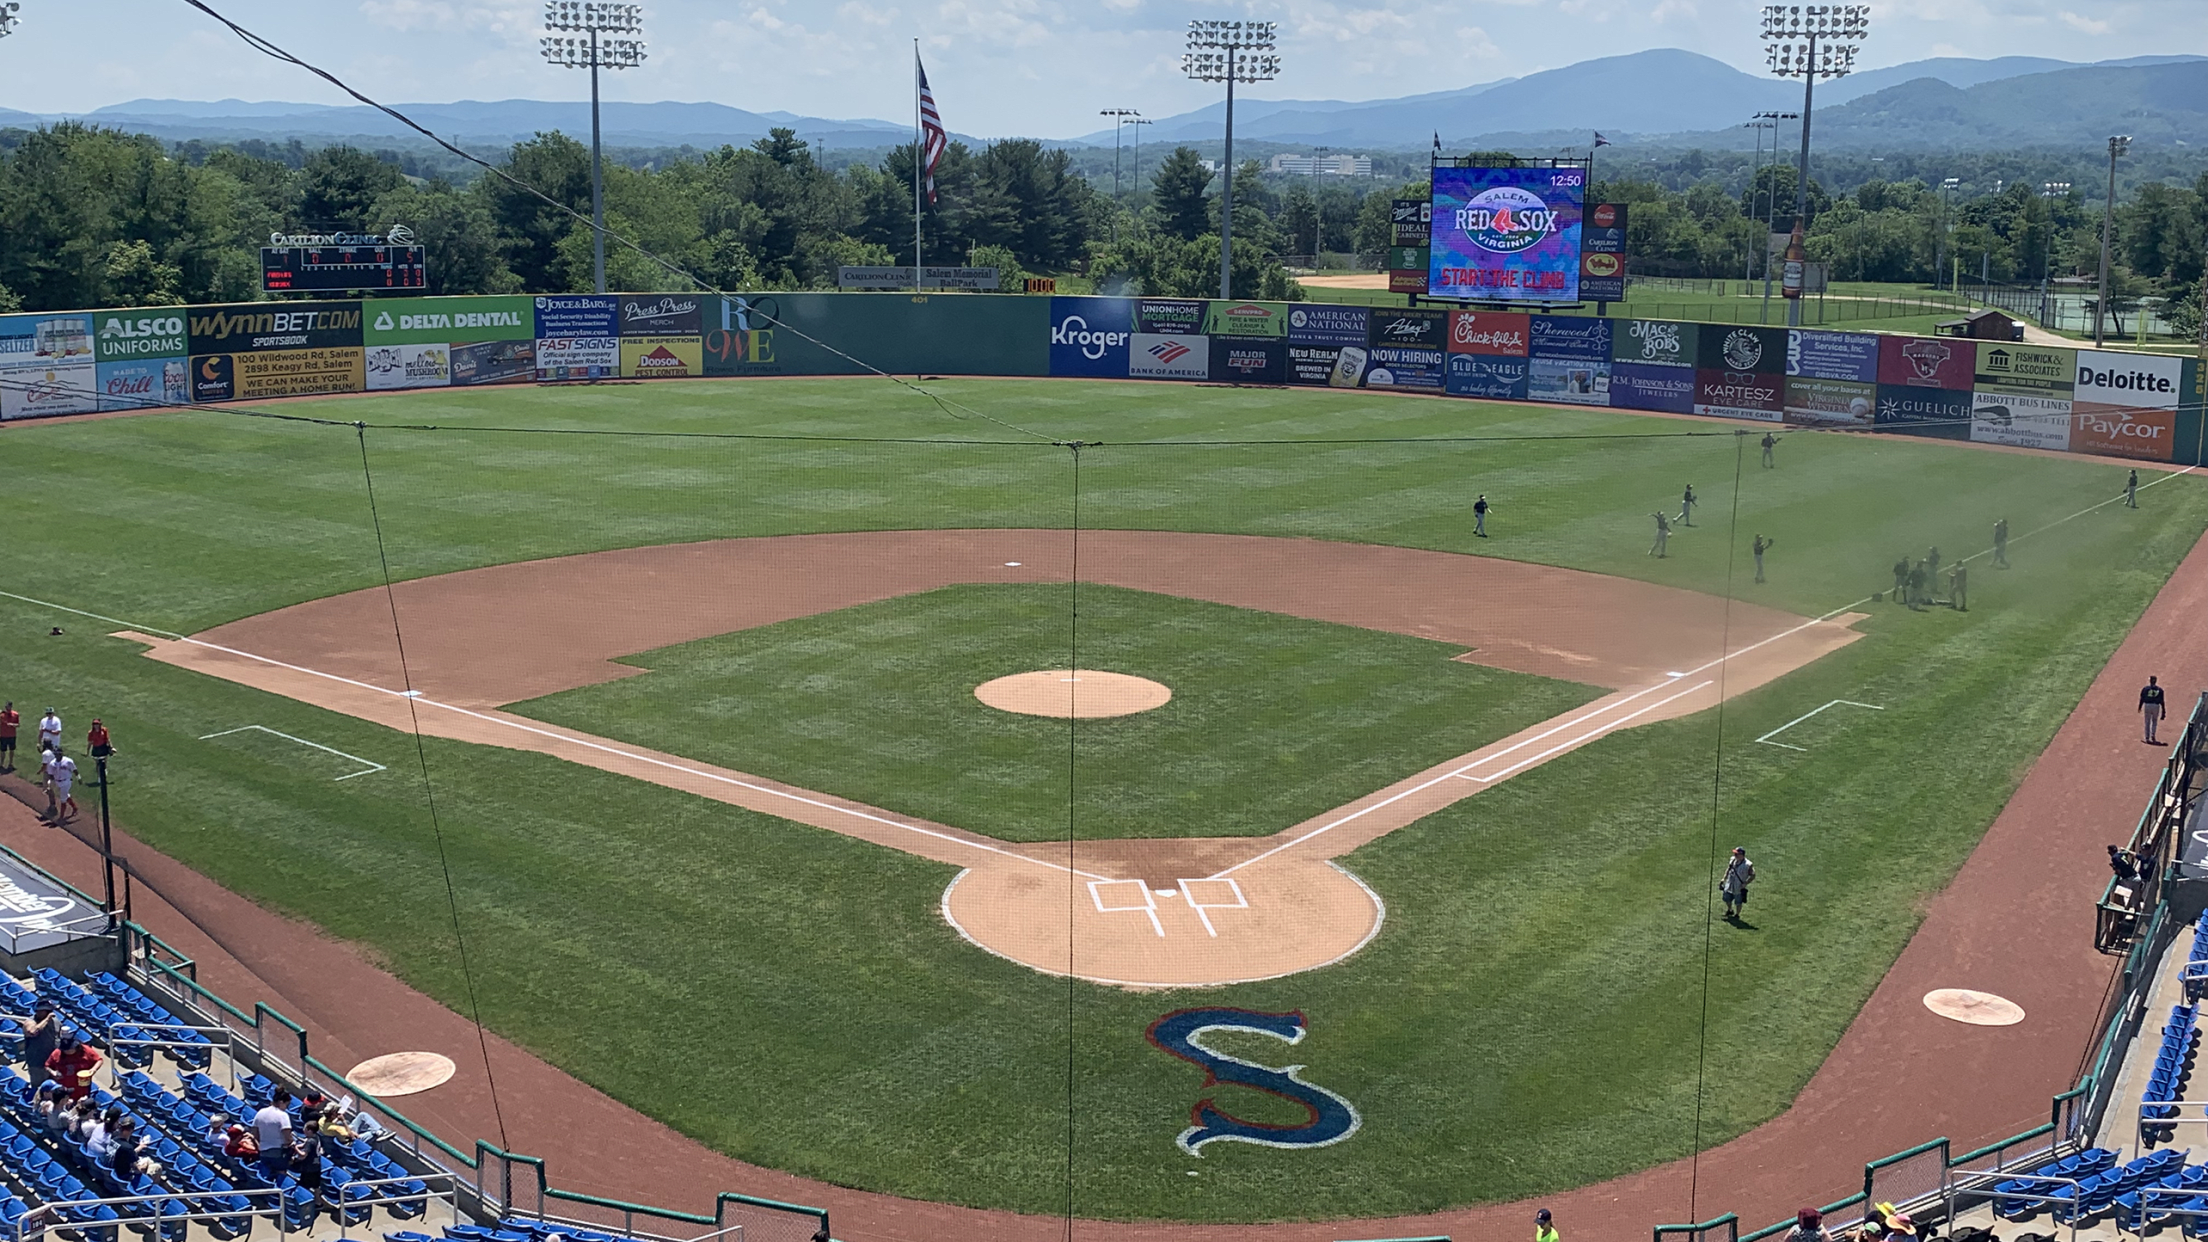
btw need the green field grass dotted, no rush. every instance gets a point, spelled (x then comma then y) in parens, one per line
(876, 703)
(1527, 1021)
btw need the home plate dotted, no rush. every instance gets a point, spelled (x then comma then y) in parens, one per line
(401, 1073)
(1975, 1008)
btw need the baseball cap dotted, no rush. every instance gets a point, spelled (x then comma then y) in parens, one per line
(1542, 1216)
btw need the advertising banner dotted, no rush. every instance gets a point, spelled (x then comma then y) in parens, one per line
(1246, 319)
(261, 327)
(143, 383)
(448, 321)
(1169, 317)
(45, 340)
(662, 357)
(743, 343)
(408, 366)
(494, 362)
(1501, 334)
(1831, 402)
(141, 334)
(1169, 355)
(1922, 362)
(1740, 394)
(1411, 280)
(1579, 381)
(1396, 366)
(577, 315)
(2045, 370)
(578, 357)
(2126, 404)
(1602, 253)
(1724, 347)
(1417, 327)
(1495, 377)
(1506, 234)
(1577, 338)
(41, 390)
(662, 314)
(1848, 356)
(1651, 386)
(1088, 337)
(1656, 343)
(1249, 360)
(213, 378)
(2024, 420)
(298, 372)
(1917, 410)
(1410, 221)
(1407, 258)
(1321, 342)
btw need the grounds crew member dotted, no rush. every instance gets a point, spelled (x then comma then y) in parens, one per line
(1739, 874)
(1544, 1227)
(2131, 490)
(2150, 707)
(1761, 546)
(1917, 580)
(2001, 544)
(1479, 516)
(1663, 535)
(1901, 581)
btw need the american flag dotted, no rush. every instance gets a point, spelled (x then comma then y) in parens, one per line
(932, 137)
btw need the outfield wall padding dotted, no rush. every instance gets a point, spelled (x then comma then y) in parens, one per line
(2129, 405)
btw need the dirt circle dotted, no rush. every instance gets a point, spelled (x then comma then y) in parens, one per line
(401, 1073)
(1974, 1008)
(1083, 694)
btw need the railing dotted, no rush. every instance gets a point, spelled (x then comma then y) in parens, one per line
(1724, 1228)
(142, 1213)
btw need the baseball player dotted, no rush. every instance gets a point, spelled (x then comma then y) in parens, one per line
(1686, 507)
(2001, 544)
(1918, 584)
(1663, 535)
(1761, 546)
(2131, 490)
(1769, 442)
(1932, 568)
(1901, 580)
(1739, 874)
(10, 720)
(2150, 707)
(1479, 516)
(1958, 588)
(49, 731)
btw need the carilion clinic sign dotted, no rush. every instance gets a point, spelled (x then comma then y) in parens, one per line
(1506, 234)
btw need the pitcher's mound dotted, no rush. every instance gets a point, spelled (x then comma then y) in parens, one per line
(1081, 693)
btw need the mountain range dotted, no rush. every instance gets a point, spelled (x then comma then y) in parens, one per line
(1664, 95)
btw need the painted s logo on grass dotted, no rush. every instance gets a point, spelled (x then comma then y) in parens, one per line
(1330, 1117)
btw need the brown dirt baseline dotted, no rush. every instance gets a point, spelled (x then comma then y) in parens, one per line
(1151, 913)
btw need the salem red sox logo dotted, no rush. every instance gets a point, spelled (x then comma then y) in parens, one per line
(1330, 1117)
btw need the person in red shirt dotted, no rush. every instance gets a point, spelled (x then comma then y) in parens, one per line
(72, 1064)
(10, 719)
(97, 741)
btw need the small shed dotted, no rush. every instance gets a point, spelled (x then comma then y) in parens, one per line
(1987, 324)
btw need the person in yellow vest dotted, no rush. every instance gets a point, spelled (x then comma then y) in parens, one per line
(1544, 1227)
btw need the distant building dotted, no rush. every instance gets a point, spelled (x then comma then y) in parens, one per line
(1323, 165)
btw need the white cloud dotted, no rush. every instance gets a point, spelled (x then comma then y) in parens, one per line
(2086, 24)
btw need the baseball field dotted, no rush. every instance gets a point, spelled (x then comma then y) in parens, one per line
(672, 688)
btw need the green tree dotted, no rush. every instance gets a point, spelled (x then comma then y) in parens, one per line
(1178, 195)
(339, 185)
(461, 247)
(531, 228)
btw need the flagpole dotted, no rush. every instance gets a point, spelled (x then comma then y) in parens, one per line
(918, 155)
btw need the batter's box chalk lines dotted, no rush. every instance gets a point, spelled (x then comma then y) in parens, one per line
(1148, 906)
(1766, 738)
(1212, 888)
(370, 770)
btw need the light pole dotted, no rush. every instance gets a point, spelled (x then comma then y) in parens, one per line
(1119, 126)
(1947, 207)
(1770, 121)
(591, 52)
(1755, 185)
(1810, 41)
(2117, 145)
(8, 19)
(1229, 52)
(1138, 122)
(2048, 189)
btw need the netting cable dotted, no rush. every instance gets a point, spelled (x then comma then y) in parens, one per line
(1073, 881)
(429, 793)
(1717, 776)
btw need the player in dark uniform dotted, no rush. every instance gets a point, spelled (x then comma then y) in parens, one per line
(1769, 442)
(1479, 516)
(2150, 707)
(1901, 581)
(1917, 580)
(2131, 490)
(2001, 544)
(1761, 546)
(1663, 535)
(1686, 507)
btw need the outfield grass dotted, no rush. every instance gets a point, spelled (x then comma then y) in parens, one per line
(876, 703)
(1527, 1021)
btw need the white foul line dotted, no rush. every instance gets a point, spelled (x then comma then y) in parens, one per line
(1581, 740)
(1766, 738)
(371, 770)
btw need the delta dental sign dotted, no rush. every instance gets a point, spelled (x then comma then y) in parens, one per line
(449, 321)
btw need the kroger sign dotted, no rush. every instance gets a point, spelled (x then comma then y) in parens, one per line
(1090, 336)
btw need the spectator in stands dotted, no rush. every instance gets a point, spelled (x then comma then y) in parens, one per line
(72, 1064)
(272, 1131)
(239, 1144)
(1899, 1228)
(99, 1137)
(1544, 1227)
(2121, 861)
(1809, 1226)
(53, 1106)
(306, 1155)
(84, 1118)
(41, 1035)
(126, 1157)
(331, 1126)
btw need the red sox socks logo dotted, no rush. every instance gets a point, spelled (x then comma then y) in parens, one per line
(1331, 1118)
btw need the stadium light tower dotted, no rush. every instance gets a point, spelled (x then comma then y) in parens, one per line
(587, 50)
(1810, 41)
(1229, 52)
(1119, 126)
(2117, 145)
(8, 19)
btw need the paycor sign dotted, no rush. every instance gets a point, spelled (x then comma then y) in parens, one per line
(2126, 404)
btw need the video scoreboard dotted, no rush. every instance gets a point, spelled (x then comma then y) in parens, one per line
(382, 266)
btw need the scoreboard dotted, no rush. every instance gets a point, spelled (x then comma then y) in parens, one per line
(341, 267)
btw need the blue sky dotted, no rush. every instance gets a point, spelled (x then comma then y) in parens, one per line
(999, 67)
